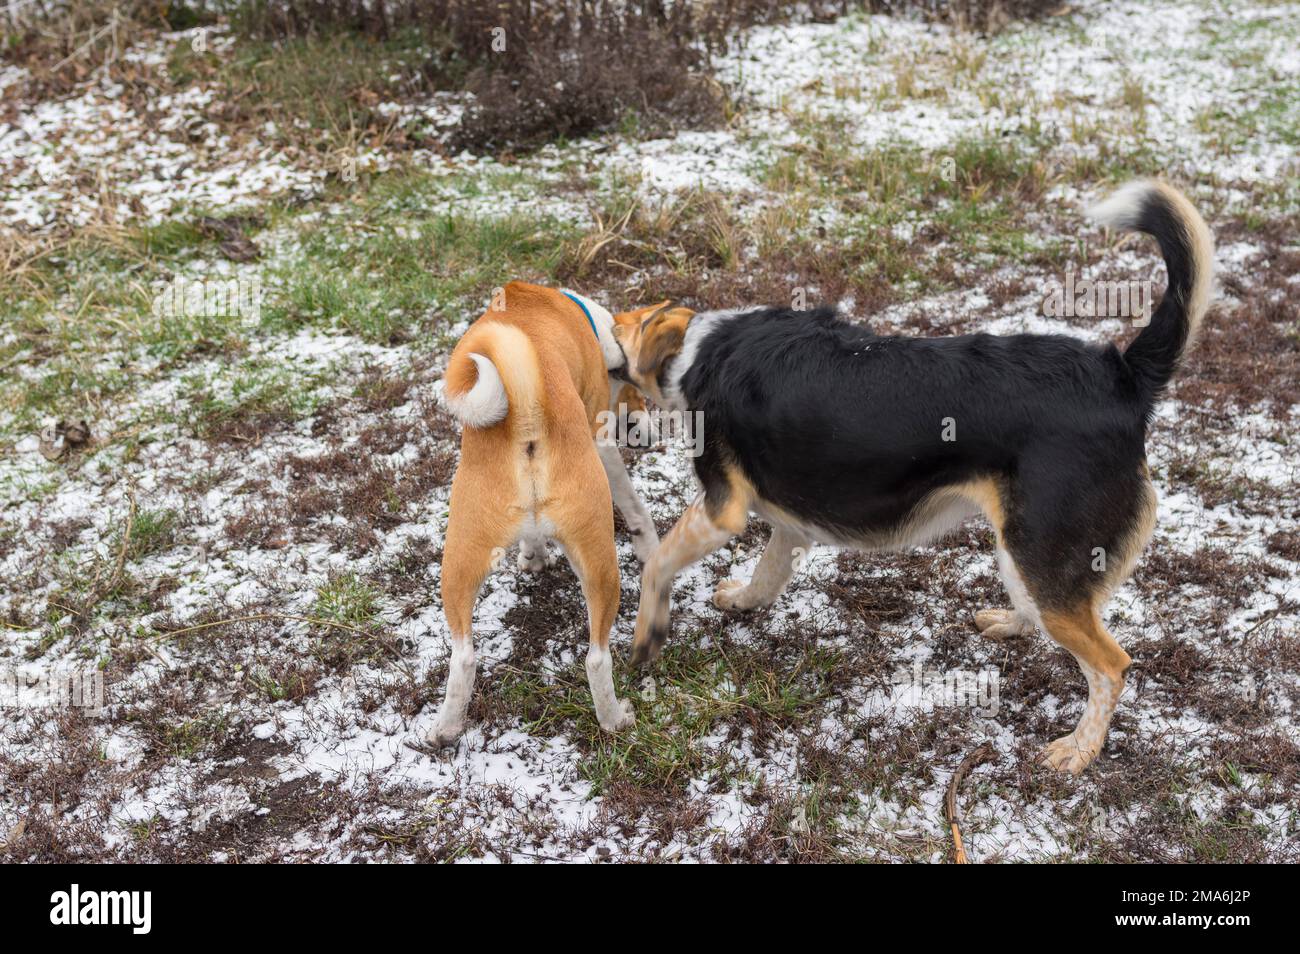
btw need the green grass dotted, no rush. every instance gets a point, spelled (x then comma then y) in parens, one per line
(170, 238)
(696, 691)
(78, 303)
(894, 180)
(377, 260)
(829, 163)
(319, 91)
(1276, 115)
(152, 531)
(967, 200)
(89, 584)
(1273, 114)
(398, 269)
(194, 737)
(280, 682)
(352, 603)
(52, 634)
(346, 598)
(252, 392)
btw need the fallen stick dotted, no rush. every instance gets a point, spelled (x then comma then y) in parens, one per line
(981, 755)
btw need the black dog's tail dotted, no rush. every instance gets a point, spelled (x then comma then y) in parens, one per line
(1164, 213)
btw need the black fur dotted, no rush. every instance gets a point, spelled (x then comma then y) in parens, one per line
(1155, 352)
(845, 429)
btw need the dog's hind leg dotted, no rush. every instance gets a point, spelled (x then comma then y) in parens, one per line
(596, 563)
(1081, 631)
(476, 540)
(585, 528)
(775, 567)
(1052, 538)
(1104, 664)
(464, 565)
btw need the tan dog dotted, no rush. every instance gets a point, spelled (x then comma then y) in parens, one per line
(529, 382)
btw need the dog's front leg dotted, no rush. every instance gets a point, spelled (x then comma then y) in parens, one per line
(639, 522)
(692, 538)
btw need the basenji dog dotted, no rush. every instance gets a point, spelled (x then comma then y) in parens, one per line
(529, 383)
(832, 433)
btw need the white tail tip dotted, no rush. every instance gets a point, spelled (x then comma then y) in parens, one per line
(485, 403)
(1123, 208)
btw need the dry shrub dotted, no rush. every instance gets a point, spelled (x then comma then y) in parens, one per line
(64, 42)
(984, 15)
(546, 69)
(538, 69)
(284, 18)
(541, 71)
(572, 72)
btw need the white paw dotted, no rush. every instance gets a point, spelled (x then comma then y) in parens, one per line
(730, 595)
(624, 717)
(999, 624)
(1066, 754)
(445, 733)
(645, 543)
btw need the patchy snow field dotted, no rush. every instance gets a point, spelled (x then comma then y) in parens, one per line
(247, 547)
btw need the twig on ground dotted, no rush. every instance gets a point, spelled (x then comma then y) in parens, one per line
(981, 755)
(292, 617)
(1283, 605)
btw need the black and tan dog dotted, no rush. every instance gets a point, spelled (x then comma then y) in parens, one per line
(831, 433)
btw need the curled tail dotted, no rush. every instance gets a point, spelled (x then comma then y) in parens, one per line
(1164, 213)
(493, 372)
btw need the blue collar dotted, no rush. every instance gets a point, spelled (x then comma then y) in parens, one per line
(578, 301)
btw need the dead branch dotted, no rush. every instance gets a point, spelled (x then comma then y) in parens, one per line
(981, 755)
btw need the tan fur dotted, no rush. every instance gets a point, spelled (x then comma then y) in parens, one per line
(988, 497)
(1104, 664)
(650, 336)
(537, 470)
(1201, 243)
(629, 400)
(732, 513)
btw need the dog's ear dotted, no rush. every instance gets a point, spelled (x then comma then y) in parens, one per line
(638, 315)
(662, 334)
